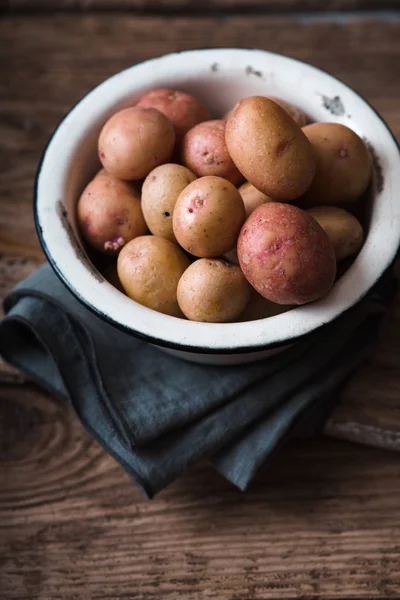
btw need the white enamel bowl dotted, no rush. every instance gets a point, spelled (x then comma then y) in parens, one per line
(220, 78)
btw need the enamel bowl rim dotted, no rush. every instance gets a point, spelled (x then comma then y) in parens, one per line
(170, 332)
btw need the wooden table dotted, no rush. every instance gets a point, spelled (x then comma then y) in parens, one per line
(324, 522)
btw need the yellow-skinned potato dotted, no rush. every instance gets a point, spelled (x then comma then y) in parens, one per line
(208, 216)
(252, 197)
(269, 148)
(343, 164)
(109, 213)
(213, 291)
(149, 269)
(160, 192)
(134, 141)
(344, 230)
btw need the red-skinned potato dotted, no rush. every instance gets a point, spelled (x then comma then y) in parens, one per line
(183, 110)
(269, 148)
(208, 216)
(204, 152)
(109, 213)
(213, 291)
(134, 141)
(149, 269)
(343, 167)
(286, 255)
(160, 192)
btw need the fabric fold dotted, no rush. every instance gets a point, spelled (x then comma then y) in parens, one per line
(156, 414)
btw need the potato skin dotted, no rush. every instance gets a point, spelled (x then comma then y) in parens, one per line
(160, 192)
(296, 113)
(343, 229)
(285, 255)
(293, 111)
(208, 216)
(252, 197)
(269, 148)
(109, 213)
(149, 269)
(213, 291)
(204, 151)
(183, 110)
(343, 164)
(134, 141)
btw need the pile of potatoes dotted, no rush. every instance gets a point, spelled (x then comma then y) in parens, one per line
(229, 219)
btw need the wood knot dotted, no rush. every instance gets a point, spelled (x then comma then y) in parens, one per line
(18, 429)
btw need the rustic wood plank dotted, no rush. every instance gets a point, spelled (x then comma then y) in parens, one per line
(195, 7)
(323, 522)
(368, 411)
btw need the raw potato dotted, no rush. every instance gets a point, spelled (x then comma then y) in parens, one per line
(213, 291)
(111, 275)
(183, 110)
(296, 113)
(286, 255)
(134, 141)
(109, 213)
(204, 151)
(344, 229)
(270, 149)
(252, 197)
(160, 192)
(208, 216)
(261, 308)
(343, 164)
(149, 269)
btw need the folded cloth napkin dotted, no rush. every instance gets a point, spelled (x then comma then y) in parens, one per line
(156, 414)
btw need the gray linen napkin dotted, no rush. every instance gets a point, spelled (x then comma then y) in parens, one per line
(156, 414)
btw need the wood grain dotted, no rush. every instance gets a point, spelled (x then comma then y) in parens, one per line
(206, 6)
(322, 523)
(324, 520)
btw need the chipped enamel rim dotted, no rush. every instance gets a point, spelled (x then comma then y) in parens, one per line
(219, 77)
